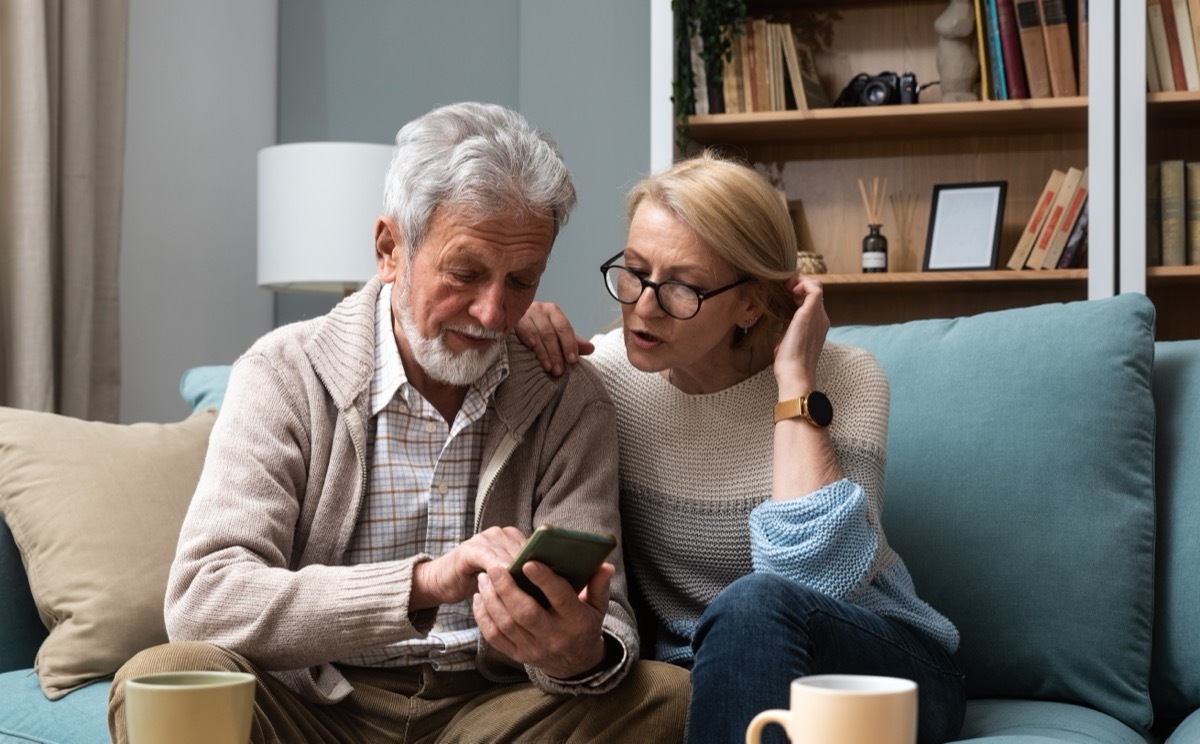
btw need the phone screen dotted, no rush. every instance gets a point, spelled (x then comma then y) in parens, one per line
(575, 555)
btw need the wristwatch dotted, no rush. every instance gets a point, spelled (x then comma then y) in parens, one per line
(814, 407)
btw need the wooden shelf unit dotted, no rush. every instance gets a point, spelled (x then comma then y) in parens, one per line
(816, 157)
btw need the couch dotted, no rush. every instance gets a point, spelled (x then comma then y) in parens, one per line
(1043, 486)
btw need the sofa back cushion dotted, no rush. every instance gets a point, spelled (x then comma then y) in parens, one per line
(1020, 493)
(1175, 677)
(20, 629)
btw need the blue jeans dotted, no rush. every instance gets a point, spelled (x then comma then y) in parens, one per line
(763, 631)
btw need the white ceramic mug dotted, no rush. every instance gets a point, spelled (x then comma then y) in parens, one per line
(190, 708)
(845, 709)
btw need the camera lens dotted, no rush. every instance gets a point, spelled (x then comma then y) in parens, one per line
(876, 93)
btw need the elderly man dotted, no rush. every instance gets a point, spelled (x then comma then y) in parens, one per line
(373, 472)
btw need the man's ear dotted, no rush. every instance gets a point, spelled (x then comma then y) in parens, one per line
(389, 250)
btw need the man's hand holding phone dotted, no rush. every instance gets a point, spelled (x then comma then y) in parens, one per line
(564, 638)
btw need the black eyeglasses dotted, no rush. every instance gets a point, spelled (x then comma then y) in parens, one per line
(680, 301)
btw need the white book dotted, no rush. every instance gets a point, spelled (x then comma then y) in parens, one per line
(1187, 46)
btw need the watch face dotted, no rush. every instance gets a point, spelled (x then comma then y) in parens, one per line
(820, 410)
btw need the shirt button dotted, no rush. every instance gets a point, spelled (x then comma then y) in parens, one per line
(430, 426)
(442, 488)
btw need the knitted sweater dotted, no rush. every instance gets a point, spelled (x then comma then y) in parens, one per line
(695, 495)
(261, 564)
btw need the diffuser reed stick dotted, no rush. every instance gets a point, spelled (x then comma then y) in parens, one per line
(874, 203)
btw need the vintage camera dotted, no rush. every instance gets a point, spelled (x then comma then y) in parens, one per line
(883, 89)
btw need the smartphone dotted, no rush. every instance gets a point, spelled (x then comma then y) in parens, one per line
(575, 555)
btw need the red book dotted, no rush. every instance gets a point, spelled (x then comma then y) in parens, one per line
(1010, 47)
(1173, 48)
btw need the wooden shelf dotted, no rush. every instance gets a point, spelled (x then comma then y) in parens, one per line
(923, 120)
(925, 280)
(1173, 275)
(1173, 109)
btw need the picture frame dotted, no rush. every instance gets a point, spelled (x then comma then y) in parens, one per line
(964, 226)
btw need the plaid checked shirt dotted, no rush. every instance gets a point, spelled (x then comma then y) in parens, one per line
(421, 492)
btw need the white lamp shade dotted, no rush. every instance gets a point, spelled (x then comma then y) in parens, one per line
(317, 206)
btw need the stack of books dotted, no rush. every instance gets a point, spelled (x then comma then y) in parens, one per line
(1032, 48)
(1172, 45)
(1055, 235)
(768, 69)
(1173, 213)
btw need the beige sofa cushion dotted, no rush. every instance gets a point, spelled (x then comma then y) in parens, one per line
(95, 510)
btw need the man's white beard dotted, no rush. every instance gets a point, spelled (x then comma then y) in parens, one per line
(436, 359)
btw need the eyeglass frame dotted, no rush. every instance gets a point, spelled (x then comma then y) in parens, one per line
(701, 295)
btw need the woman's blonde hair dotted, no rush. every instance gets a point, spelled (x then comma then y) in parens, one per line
(743, 219)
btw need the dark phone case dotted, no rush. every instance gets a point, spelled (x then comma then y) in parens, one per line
(573, 554)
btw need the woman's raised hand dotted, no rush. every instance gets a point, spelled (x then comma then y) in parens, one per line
(545, 329)
(798, 350)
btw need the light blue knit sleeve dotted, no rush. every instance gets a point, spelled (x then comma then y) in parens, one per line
(822, 540)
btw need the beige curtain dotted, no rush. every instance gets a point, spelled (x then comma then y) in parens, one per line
(62, 121)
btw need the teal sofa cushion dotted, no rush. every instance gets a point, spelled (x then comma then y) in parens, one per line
(1034, 721)
(21, 631)
(204, 387)
(1023, 503)
(80, 717)
(1175, 681)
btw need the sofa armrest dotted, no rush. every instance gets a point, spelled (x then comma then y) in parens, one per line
(21, 631)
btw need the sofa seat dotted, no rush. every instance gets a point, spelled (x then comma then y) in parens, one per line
(1039, 722)
(30, 716)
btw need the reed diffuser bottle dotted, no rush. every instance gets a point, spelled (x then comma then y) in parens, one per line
(874, 245)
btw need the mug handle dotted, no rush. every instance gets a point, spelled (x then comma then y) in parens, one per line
(754, 730)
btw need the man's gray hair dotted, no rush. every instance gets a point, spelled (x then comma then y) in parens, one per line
(480, 159)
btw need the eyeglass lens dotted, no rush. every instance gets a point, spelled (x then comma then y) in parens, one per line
(678, 300)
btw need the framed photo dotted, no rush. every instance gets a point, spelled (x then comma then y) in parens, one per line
(964, 226)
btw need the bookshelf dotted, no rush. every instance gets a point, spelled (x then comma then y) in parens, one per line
(816, 156)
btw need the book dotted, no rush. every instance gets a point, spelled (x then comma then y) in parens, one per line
(1076, 247)
(1174, 216)
(1058, 242)
(995, 53)
(1036, 220)
(1033, 47)
(1153, 85)
(1192, 207)
(1194, 16)
(1158, 40)
(814, 93)
(1060, 60)
(1062, 201)
(1153, 215)
(762, 53)
(1169, 41)
(1187, 47)
(1083, 47)
(699, 78)
(985, 91)
(750, 69)
(1010, 47)
(791, 60)
(730, 75)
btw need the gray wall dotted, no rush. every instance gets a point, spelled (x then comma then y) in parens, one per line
(201, 102)
(205, 96)
(577, 68)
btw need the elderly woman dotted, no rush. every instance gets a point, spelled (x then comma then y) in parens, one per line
(752, 458)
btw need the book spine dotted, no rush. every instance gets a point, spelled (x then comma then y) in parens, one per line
(1194, 16)
(1153, 215)
(1174, 240)
(1083, 47)
(1178, 72)
(1036, 219)
(1059, 58)
(1033, 47)
(1073, 250)
(1010, 45)
(1162, 52)
(1059, 242)
(995, 52)
(985, 92)
(1037, 256)
(1192, 199)
(1153, 84)
(1187, 48)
